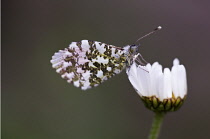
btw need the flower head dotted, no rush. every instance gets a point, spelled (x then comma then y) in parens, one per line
(160, 90)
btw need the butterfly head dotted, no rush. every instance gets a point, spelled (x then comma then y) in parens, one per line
(134, 49)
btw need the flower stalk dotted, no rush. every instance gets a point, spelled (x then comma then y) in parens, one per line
(156, 125)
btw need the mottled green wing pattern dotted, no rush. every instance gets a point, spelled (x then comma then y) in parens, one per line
(87, 64)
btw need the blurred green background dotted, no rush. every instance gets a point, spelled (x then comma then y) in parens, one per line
(38, 104)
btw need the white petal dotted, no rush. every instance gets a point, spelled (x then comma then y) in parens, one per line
(143, 79)
(167, 87)
(132, 76)
(155, 75)
(182, 83)
(176, 62)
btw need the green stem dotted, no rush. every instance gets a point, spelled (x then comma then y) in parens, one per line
(156, 125)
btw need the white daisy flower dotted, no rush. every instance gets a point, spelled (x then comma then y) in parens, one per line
(160, 90)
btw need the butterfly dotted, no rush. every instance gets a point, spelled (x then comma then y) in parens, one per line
(87, 63)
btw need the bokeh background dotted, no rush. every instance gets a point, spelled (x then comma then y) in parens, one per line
(38, 104)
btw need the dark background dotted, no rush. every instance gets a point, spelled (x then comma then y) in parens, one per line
(38, 104)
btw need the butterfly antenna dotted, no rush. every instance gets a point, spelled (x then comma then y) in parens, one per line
(156, 29)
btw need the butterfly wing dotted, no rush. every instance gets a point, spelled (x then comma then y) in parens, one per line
(88, 63)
